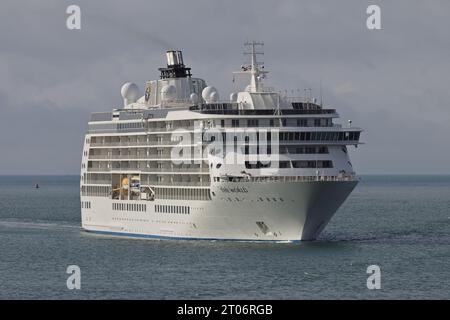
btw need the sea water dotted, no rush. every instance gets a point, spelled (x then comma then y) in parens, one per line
(399, 223)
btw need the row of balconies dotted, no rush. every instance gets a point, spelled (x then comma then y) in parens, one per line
(163, 169)
(167, 142)
(168, 126)
(340, 177)
(165, 139)
(93, 181)
(322, 138)
(129, 156)
(173, 182)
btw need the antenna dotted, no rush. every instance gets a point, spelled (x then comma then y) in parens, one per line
(255, 67)
(321, 96)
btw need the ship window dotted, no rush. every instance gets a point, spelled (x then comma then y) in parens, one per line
(257, 165)
(252, 123)
(325, 164)
(284, 164)
(323, 150)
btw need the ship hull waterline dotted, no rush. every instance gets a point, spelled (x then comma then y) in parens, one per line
(256, 212)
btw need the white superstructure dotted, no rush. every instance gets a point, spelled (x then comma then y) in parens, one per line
(180, 163)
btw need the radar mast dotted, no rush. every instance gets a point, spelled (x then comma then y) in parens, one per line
(255, 69)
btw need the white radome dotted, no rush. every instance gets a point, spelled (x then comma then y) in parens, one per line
(130, 91)
(214, 97)
(207, 92)
(169, 92)
(193, 98)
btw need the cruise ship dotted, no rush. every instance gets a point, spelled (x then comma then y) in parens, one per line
(179, 162)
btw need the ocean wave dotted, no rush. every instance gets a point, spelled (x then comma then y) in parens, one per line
(39, 224)
(394, 235)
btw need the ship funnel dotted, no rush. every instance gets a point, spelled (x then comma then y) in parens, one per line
(174, 58)
(175, 66)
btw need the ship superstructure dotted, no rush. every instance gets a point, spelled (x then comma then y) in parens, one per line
(180, 163)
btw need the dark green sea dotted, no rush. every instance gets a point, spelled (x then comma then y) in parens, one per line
(400, 223)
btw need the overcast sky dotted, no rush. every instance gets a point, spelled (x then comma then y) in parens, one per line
(393, 82)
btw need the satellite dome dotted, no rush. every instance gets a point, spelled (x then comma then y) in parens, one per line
(193, 98)
(214, 96)
(233, 96)
(206, 93)
(130, 91)
(168, 92)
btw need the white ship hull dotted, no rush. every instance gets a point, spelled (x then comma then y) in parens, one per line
(239, 211)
